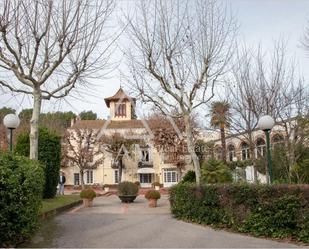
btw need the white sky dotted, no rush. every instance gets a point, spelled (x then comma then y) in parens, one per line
(260, 21)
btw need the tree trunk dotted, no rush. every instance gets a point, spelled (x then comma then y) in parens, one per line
(253, 158)
(34, 124)
(120, 170)
(82, 179)
(223, 143)
(191, 148)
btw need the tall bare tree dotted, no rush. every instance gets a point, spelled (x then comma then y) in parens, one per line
(48, 48)
(179, 51)
(265, 83)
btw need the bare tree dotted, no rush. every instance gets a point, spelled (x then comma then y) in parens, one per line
(81, 148)
(47, 48)
(265, 84)
(179, 51)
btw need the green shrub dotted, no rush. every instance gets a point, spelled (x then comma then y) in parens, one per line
(152, 194)
(189, 176)
(127, 188)
(137, 183)
(214, 171)
(49, 155)
(88, 193)
(21, 186)
(280, 211)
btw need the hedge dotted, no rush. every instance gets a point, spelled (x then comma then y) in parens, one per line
(49, 155)
(279, 211)
(21, 187)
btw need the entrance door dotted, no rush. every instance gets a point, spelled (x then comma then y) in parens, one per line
(145, 180)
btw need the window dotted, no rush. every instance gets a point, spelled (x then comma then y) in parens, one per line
(170, 176)
(76, 179)
(145, 155)
(116, 176)
(278, 139)
(120, 110)
(245, 151)
(145, 178)
(231, 152)
(260, 147)
(89, 176)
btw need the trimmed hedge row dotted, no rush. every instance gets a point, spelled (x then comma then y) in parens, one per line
(279, 211)
(21, 188)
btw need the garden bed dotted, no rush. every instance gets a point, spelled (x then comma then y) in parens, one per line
(58, 204)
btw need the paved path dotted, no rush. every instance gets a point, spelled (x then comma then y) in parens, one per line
(112, 224)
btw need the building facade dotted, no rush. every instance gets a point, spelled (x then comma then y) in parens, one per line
(141, 163)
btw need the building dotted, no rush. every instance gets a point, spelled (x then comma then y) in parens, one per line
(238, 149)
(144, 164)
(3, 138)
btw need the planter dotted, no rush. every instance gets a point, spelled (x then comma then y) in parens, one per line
(152, 203)
(157, 188)
(106, 189)
(127, 198)
(87, 202)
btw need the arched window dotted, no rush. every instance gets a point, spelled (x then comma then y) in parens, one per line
(231, 152)
(260, 147)
(245, 151)
(277, 139)
(218, 153)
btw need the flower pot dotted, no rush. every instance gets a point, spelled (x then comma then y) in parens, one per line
(127, 198)
(106, 189)
(157, 188)
(87, 202)
(152, 203)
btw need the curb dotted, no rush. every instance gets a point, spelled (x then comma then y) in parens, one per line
(59, 210)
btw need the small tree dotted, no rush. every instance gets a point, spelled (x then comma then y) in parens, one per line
(118, 146)
(49, 155)
(214, 171)
(80, 148)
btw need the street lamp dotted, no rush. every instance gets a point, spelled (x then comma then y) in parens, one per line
(11, 121)
(266, 123)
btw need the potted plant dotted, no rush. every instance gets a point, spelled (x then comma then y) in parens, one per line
(106, 187)
(156, 185)
(127, 191)
(87, 195)
(152, 196)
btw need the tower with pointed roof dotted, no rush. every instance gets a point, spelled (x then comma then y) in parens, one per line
(121, 106)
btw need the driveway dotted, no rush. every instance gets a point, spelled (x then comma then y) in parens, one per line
(112, 224)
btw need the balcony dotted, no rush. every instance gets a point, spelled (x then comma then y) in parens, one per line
(145, 164)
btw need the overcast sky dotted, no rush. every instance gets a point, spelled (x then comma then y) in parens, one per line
(260, 21)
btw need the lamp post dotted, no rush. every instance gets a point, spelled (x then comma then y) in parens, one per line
(11, 122)
(266, 123)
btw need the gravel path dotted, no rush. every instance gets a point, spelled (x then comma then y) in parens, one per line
(112, 224)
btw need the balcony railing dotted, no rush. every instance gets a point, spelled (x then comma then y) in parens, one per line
(145, 164)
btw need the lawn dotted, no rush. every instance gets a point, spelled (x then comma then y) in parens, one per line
(58, 201)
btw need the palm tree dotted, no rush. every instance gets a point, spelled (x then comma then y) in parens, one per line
(220, 118)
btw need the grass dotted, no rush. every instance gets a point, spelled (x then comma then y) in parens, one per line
(58, 201)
